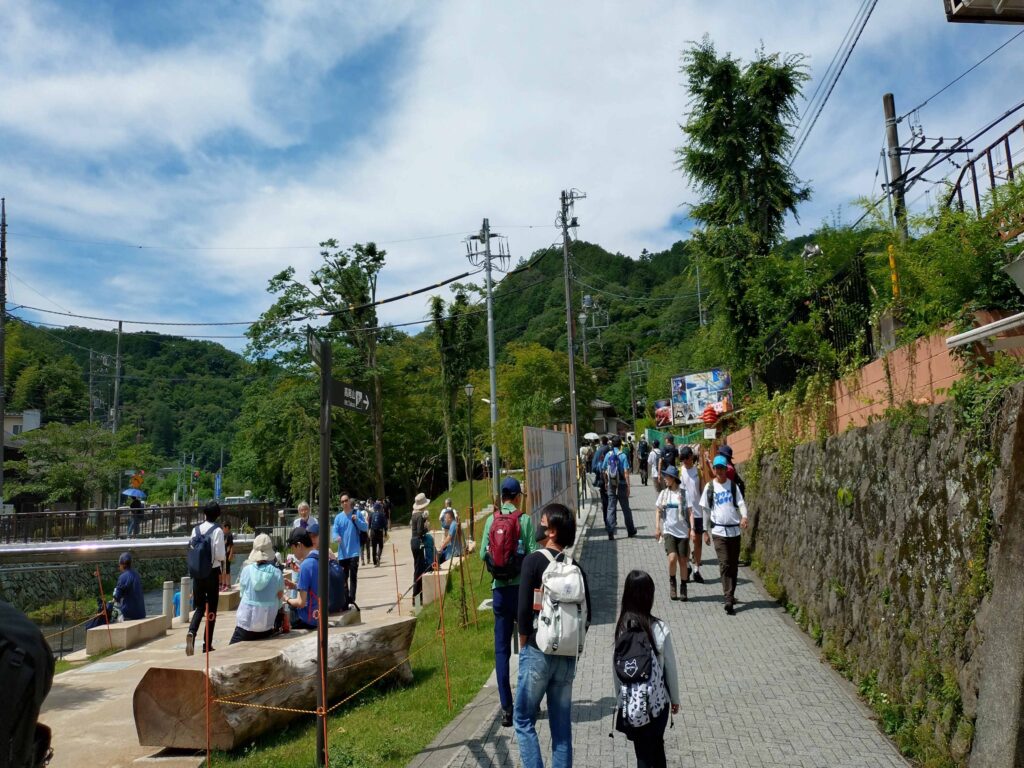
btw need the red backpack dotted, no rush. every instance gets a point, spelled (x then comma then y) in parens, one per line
(503, 559)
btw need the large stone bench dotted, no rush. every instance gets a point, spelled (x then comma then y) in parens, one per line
(170, 701)
(124, 634)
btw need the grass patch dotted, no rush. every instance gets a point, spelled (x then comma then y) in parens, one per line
(459, 494)
(385, 727)
(73, 611)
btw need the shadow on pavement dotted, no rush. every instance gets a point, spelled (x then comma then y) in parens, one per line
(594, 711)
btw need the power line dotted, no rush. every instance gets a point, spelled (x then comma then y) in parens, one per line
(834, 80)
(959, 77)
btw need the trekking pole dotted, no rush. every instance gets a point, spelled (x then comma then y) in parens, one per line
(444, 646)
(103, 604)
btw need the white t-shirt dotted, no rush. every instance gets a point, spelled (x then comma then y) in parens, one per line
(216, 543)
(652, 461)
(690, 479)
(672, 506)
(727, 511)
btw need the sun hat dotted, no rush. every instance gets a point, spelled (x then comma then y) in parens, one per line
(421, 502)
(725, 450)
(262, 550)
(720, 461)
(671, 471)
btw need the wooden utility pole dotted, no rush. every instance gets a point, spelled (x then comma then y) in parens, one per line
(3, 340)
(117, 382)
(896, 183)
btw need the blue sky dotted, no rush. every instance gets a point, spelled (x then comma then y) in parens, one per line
(230, 138)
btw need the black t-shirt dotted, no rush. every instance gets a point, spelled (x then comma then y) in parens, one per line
(669, 456)
(229, 542)
(529, 580)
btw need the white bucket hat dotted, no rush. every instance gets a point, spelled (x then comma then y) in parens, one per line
(422, 502)
(262, 550)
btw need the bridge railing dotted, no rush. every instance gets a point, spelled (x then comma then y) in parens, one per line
(89, 524)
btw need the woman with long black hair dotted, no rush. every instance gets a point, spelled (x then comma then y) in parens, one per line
(635, 615)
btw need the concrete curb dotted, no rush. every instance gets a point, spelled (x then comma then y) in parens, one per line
(476, 717)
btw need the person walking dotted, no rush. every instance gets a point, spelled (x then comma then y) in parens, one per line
(669, 454)
(418, 530)
(206, 591)
(654, 465)
(643, 452)
(378, 527)
(597, 464)
(616, 479)
(348, 526)
(689, 481)
(672, 526)
(725, 516)
(635, 615)
(261, 585)
(504, 554)
(365, 556)
(543, 675)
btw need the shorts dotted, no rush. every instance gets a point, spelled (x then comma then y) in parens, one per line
(676, 545)
(698, 525)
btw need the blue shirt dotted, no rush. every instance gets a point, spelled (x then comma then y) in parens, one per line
(308, 575)
(453, 549)
(346, 533)
(128, 594)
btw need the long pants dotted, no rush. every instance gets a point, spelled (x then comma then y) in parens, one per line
(207, 595)
(619, 497)
(364, 547)
(506, 606)
(351, 569)
(241, 635)
(604, 499)
(419, 566)
(649, 743)
(728, 550)
(376, 544)
(544, 677)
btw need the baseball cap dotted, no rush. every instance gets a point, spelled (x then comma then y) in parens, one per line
(299, 536)
(125, 558)
(720, 461)
(313, 529)
(725, 450)
(510, 486)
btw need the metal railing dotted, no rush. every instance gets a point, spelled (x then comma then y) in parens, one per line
(98, 524)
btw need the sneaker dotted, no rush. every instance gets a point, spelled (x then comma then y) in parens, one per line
(506, 718)
(611, 537)
(212, 649)
(631, 535)
(729, 609)
(190, 645)
(697, 577)
(672, 593)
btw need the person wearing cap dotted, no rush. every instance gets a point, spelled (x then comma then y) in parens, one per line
(347, 531)
(262, 587)
(689, 483)
(731, 472)
(672, 525)
(505, 593)
(305, 603)
(669, 453)
(206, 591)
(418, 530)
(128, 592)
(725, 517)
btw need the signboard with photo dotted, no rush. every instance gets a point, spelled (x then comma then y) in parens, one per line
(662, 413)
(692, 393)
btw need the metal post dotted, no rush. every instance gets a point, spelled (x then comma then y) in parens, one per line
(895, 169)
(485, 235)
(117, 381)
(90, 388)
(469, 461)
(569, 331)
(3, 338)
(583, 344)
(325, 542)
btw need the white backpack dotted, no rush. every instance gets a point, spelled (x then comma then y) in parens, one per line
(561, 624)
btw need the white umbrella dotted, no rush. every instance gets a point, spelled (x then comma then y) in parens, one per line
(591, 436)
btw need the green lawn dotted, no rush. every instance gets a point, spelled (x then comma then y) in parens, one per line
(459, 495)
(382, 727)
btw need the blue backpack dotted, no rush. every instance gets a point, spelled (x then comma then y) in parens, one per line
(613, 466)
(337, 588)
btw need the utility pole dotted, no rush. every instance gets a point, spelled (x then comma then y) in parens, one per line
(568, 198)
(896, 186)
(632, 387)
(90, 388)
(486, 257)
(117, 382)
(3, 340)
(700, 297)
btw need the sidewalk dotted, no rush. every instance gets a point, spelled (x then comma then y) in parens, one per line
(754, 692)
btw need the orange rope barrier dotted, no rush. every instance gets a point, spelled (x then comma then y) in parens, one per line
(208, 642)
(103, 607)
(381, 676)
(444, 643)
(398, 590)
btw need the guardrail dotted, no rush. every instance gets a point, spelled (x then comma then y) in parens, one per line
(147, 523)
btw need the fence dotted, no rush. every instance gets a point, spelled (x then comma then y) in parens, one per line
(96, 524)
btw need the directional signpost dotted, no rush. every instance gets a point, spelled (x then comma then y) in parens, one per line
(332, 392)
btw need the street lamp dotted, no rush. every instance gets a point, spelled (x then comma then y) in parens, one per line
(583, 328)
(469, 455)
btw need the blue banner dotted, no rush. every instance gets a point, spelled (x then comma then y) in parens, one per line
(216, 486)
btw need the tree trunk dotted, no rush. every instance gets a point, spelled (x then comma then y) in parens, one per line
(446, 400)
(170, 701)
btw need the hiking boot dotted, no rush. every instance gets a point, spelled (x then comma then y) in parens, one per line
(682, 592)
(697, 577)
(611, 537)
(672, 593)
(729, 609)
(190, 644)
(506, 718)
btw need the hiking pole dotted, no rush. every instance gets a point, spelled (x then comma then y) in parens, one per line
(400, 597)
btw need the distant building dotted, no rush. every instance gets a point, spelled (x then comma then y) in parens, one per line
(17, 423)
(606, 421)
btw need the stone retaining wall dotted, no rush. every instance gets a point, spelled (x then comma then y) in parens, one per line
(902, 552)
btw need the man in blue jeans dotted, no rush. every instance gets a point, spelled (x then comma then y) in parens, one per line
(505, 592)
(544, 675)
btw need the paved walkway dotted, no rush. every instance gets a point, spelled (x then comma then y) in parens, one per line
(754, 692)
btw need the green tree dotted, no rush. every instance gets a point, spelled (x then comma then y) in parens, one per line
(54, 386)
(76, 462)
(454, 337)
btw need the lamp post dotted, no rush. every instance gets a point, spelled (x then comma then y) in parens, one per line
(469, 456)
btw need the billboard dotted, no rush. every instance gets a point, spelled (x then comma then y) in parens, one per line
(662, 413)
(693, 392)
(550, 469)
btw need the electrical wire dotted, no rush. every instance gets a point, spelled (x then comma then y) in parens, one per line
(960, 77)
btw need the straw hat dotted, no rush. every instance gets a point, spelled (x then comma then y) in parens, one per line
(262, 550)
(421, 502)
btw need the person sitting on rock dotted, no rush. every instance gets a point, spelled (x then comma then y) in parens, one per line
(262, 586)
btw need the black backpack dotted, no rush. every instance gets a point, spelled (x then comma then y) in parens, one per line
(200, 553)
(26, 674)
(378, 520)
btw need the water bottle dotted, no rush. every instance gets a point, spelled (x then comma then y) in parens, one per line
(286, 620)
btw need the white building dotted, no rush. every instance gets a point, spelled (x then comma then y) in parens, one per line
(18, 422)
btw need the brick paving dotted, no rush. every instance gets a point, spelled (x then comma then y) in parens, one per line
(754, 692)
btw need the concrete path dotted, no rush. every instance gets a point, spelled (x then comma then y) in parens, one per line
(754, 691)
(90, 709)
